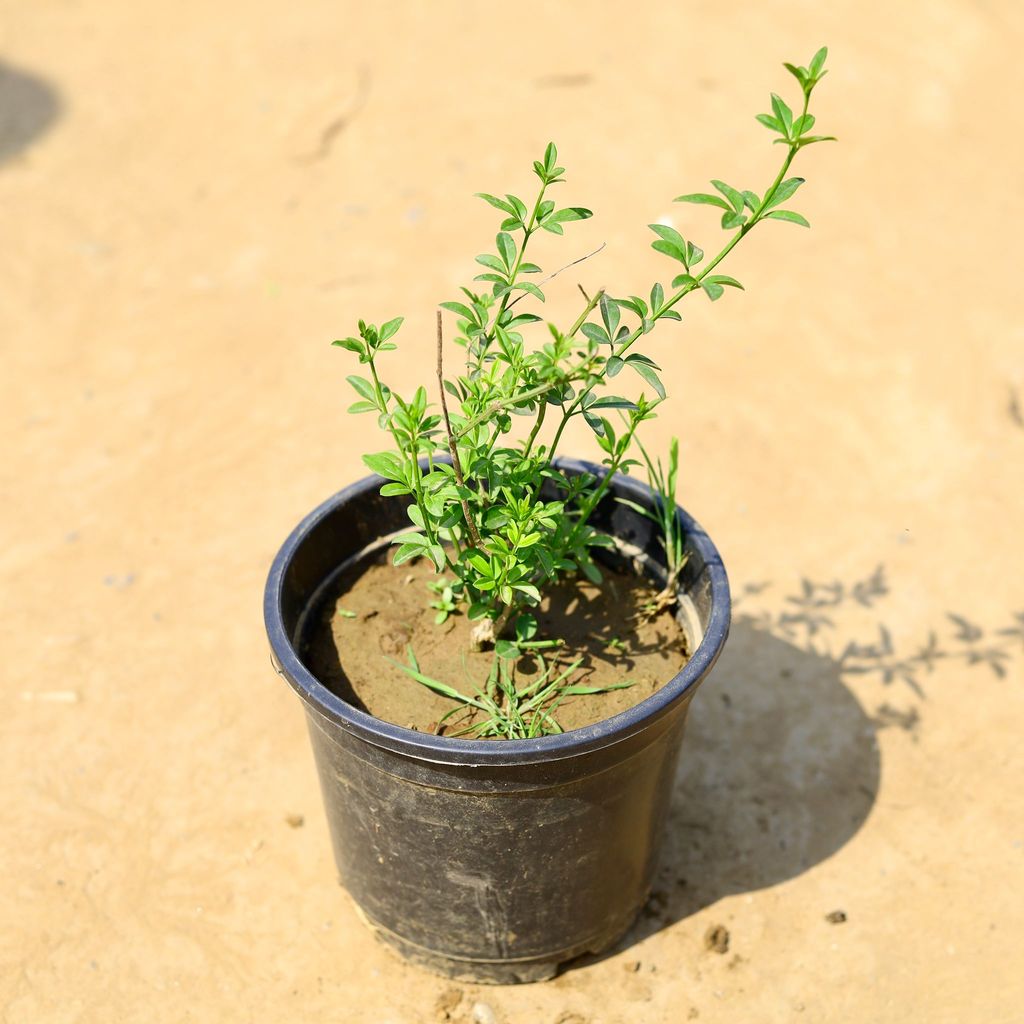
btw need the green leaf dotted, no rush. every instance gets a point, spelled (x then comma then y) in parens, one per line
(352, 344)
(528, 286)
(669, 234)
(669, 249)
(463, 310)
(800, 74)
(571, 213)
(550, 156)
(506, 249)
(683, 279)
(733, 220)
(526, 626)
(782, 112)
(726, 280)
(784, 191)
(609, 314)
(364, 389)
(392, 490)
(647, 372)
(635, 304)
(614, 364)
(771, 122)
(596, 334)
(528, 589)
(793, 218)
(492, 262)
(750, 200)
(702, 198)
(498, 204)
(405, 552)
(519, 206)
(385, 464)
(613, 402)
(595, 423)
(358, 407)
(818, 62)
(735, 196)
(390, 329)
(714, 291)
(506, 649)
(657, 298)
(803, 124)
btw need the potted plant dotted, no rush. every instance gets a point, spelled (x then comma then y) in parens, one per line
(495, 766)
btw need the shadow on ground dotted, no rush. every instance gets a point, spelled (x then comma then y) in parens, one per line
(29, 106)
(779, 769)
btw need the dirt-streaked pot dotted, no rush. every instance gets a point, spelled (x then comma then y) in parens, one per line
(486, 860)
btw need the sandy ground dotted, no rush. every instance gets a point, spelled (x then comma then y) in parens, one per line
(196, 198)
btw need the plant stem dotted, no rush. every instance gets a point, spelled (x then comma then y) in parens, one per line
(453, 447)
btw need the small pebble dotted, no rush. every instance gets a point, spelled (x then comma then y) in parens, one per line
(836, 917)
(483, 1014)
(295, 820)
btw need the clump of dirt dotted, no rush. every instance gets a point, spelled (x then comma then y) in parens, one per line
(370, 619)
(716, 939)
(836, 917)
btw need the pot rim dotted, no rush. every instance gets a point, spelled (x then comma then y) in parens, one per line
(452, 751)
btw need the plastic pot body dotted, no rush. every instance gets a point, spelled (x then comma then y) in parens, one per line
(489, 860)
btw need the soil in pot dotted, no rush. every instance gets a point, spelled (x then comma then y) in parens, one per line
(369, 617)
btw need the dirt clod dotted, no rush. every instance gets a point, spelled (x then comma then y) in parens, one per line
(295, 820)
(632, 966)
(716, 939)
(836, 917)
(447, 1001)
(568, 1017)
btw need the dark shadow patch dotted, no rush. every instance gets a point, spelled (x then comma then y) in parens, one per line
(29, 106)
(330, 132)
(1014, 410)
(779, 769)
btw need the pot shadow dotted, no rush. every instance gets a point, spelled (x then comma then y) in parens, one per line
(29, 106)
(779, 769)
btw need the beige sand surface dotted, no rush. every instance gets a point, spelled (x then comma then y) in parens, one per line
(195, 198)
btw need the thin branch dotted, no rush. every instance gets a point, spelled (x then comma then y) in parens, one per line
(453, 448)
(551, 277)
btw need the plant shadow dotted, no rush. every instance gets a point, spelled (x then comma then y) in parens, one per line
(29, 106)
(779, 769)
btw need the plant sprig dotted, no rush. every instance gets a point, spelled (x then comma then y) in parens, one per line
(486, 502)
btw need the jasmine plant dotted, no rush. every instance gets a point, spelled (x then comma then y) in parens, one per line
(487, 505)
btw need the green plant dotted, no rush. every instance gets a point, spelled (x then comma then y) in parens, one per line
(663, 482)
(487, 506)
(508, 710)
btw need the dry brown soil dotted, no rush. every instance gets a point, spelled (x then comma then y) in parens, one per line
(371, 620)
(196, 198)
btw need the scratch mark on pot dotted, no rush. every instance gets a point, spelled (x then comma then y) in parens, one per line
(335, 127)
(491, 907)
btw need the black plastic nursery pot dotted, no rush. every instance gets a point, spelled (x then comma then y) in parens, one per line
(493, 860)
